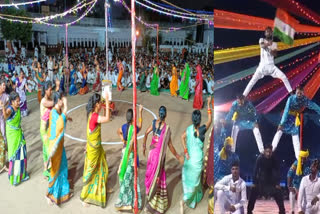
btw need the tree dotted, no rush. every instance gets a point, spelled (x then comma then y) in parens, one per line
(14, 30)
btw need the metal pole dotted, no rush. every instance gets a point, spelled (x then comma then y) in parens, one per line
(133, 43)
(106, 23)
(67, 61)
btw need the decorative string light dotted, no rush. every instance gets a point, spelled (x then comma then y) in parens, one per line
(170, 14)
(230, 20)
(195, 11)
(177, 12)
(21, 3)
(154, 26)
(228, 55)
(43, 20)
(77, 7)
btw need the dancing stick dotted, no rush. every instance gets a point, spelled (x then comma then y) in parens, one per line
(133, 43)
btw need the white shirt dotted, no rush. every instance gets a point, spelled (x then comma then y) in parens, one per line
(23, 51)
(192, 84)
(36, 52)
(210, 86)
(238, 198)
(50, 65)
(308, 190)
(266, 58)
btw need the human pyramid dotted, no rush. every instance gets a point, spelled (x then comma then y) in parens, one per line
(230, 189)
(52, 93)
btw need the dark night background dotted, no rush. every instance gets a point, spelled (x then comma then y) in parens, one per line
(246, 145)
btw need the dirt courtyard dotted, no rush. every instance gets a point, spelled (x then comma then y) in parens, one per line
(29, 197)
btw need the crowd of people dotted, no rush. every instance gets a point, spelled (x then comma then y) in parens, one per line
(55, 77)
(84, 70)
(302, 177)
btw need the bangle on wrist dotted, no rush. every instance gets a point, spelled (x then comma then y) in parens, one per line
(185, 151)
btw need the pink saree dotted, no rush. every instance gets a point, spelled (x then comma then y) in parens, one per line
(155, 180)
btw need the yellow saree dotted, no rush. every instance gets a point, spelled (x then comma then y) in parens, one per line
(95, 171)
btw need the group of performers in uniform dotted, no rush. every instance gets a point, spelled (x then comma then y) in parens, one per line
(303, 181)
(53, 120)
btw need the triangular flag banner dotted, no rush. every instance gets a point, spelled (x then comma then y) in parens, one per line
(284, 27)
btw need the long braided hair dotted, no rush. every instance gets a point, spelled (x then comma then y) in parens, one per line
(162, 116)
(93, 100)
(129, 117)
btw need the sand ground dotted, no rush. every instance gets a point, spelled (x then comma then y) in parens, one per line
(29, 197)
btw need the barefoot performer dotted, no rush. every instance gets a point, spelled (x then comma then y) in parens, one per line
(192, 142)
(174, 81)
(126, 197)
(290, 121)
(46, 105)
(155, 181)
(268, 50)
(121, 70)
(59, 188)
(95, 172)
(17, 149)
(4, 99)
(198, 101)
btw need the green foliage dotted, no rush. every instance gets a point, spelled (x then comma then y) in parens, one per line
(13, 30)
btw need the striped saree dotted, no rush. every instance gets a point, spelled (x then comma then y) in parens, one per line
(155, 180)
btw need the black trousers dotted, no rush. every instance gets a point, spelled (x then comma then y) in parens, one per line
(274, 192)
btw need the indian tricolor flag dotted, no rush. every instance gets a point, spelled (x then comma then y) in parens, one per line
(284, 26)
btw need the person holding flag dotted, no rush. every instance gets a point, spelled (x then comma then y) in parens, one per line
(268, 50)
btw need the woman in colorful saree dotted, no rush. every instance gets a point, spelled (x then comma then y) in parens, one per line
(143, 77)
(154, 88)
(36, 66)
(46, 105)
(4, 98)
(21, 87)
(97, 85)
(198, 101)
(17, 149)
(126, 197)
(95, 172)
(155, 180)
(174, 81)
(59, 189)
(121, 70)
(184, 86)
(73, 76)
(192, 142)
(84, 87)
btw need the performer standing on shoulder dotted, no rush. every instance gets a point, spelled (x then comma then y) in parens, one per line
(290, 119)
(268, 50)
(244, 116)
